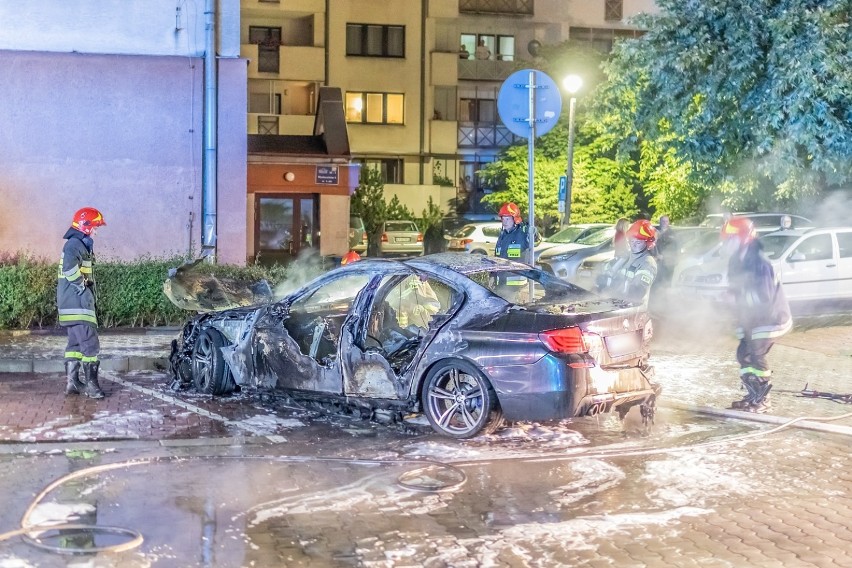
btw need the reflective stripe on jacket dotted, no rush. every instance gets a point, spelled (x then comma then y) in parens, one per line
(513, 244)
(75, 269)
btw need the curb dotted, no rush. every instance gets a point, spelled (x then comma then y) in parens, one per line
(118, 364)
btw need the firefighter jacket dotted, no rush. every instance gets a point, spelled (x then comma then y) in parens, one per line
(630, 278)
(75, 292)
(762, 309)
(514, 243)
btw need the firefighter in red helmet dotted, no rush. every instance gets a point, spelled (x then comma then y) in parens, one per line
(630, 278)
(349, 258)
(762, 311)
(75, 300)
(513, 241)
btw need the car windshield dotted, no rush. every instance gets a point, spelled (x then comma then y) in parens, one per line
(465, 231)
(774, 245)
(597, 237)
(568, 234)
(400, 226)
(514, 286)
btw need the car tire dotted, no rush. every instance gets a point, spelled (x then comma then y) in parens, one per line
(459, 402)
(210, 372)
(479, 251)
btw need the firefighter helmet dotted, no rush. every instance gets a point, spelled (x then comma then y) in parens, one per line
(740, 227)
(642, 230)
(511, 210)
(349, 258)
(87, 219)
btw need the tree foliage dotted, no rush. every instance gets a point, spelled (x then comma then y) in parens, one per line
(745, 102)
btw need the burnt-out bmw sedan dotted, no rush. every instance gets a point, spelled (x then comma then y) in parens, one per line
(467, 340)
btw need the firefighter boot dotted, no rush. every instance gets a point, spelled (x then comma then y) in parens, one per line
(760, 402)
(90, 379)
(748, 399)
(72, 373)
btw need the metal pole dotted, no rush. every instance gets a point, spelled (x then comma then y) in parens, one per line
(569, 170)
(209, 181)
(531, 173)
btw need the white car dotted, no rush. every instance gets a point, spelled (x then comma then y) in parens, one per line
(814, 266)
(476, 238)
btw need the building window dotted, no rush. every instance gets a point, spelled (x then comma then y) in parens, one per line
(268, 41)
(500, 47)
(613, 10)
(391, 168)
(372, 40)
(375, 108)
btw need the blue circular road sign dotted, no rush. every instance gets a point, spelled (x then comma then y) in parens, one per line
(513, 102)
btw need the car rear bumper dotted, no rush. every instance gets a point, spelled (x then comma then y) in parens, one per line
(551, 390)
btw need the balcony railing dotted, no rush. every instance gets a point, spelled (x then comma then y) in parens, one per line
(485, 135)
(485, 70)
(503, 7)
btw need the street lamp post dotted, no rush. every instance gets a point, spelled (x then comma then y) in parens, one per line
(572, 84)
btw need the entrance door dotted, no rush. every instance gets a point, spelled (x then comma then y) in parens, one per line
(285, 225)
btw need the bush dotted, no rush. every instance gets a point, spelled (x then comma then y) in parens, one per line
(129, 294)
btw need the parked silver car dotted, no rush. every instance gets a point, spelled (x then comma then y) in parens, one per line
(570, 234)
(401, 238)
(564, 260)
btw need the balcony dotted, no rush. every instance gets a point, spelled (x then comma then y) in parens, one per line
(485, 135)
(485, 70)
(295, 62)
(501, 7)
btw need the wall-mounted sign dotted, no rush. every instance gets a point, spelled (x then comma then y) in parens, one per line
(327, 175)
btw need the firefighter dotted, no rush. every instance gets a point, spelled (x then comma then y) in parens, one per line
(630, 278)
(75, 300)
(513, 241)
(761, 309)
(349, 258)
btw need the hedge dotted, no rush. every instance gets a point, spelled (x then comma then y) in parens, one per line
(130, 294)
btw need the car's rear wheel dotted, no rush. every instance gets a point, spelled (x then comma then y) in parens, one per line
(459, 402)
(210, 372)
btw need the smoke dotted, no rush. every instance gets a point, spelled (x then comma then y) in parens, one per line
(307, 266)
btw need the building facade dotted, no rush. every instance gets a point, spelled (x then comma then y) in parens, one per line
(419, 98)
(102, 104)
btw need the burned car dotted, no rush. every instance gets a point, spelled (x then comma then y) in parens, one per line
(467, 340)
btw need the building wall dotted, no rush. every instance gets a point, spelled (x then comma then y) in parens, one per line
(120, 132)
(132, 27)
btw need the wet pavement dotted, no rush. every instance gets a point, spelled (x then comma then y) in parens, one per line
(261, 481)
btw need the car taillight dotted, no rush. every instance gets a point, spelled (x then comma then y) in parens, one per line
(419, 237)
(384, 237)
(466, 242)
(566, 340)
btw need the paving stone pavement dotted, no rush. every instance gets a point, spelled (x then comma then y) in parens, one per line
(696, 493)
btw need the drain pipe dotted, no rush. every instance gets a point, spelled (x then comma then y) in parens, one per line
(209, 191)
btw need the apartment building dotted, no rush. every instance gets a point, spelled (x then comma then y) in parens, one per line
(419, 98)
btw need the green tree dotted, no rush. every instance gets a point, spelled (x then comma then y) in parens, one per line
(750, 106)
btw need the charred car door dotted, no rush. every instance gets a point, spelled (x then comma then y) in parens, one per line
(297, 342)
(402, 315)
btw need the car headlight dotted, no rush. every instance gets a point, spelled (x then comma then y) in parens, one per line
(561, 257)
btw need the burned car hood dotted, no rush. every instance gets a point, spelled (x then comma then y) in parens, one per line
(193, 287)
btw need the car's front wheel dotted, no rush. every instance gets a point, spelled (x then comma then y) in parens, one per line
(459, 402)
(210, 372)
